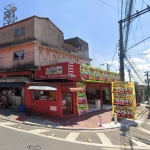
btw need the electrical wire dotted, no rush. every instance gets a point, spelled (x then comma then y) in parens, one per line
(109, 5)
(118, 8)
(134, 69)
(113, 56)
(144, 2)
(142, 32)
(126, 63)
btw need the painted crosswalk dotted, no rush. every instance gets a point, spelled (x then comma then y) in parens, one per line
(138, 142)
(98, 138)
(144, 130)
(72, 136)
(104, 138)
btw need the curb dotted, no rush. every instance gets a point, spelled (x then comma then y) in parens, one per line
(83, 129)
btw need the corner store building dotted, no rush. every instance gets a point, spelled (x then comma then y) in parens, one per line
(56, 90)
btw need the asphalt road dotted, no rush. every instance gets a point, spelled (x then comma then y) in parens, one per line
(15, 140)
(14, 136)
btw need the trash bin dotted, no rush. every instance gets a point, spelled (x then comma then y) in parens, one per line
(97, 102)
(22, 108)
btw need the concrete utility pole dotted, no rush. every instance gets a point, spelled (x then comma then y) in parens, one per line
(148, 81)
(129, 74)
(121, 49)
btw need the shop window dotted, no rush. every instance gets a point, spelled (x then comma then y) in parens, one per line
(44, 95)
(18, 91)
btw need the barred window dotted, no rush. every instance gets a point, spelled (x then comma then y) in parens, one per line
(19, 31)
(22, 30)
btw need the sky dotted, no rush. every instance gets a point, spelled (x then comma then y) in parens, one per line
(96, 22)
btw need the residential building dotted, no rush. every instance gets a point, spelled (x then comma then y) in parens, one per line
(80, 44)
(33, 42)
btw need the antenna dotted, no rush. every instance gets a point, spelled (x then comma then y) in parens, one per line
(9, 14)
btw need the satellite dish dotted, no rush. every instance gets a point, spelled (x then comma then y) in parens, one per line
(13, 8)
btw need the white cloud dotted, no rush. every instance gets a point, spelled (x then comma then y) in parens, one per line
(137, 60)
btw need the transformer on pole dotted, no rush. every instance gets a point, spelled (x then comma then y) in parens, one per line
(9, 15)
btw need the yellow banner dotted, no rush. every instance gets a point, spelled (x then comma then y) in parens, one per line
(123, 99)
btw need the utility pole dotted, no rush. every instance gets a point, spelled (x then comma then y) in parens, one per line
(121, 56)
(129, 19)
(148, 81)
(129, 74)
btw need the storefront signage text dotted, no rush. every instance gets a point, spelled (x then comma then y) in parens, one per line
(82, 105)
(123, 99)
(92, 74)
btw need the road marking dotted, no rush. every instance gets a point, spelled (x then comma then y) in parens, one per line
(78, 142)
(36, 131)
(72, 136)
(7, 123)
(104, 138)
(144, 130)
(137, 142)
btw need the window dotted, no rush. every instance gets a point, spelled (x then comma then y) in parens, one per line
(44, 95)
(18, 55)
(19, 31)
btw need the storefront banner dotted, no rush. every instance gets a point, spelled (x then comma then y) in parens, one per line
(93, 74)
(82, 105)
(59, 71)
(97, 74)
(84, 72)
(101, 78)
(123, 99)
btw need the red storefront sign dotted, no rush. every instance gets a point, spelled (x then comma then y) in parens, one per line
(63, 70)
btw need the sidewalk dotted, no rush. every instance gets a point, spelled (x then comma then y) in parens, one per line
(86, 121)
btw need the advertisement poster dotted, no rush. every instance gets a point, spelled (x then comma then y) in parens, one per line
(82, 105)
(97, 74)
(93, 74)
(101, 78)
(84, 72)
(54, 70)
(123, 99)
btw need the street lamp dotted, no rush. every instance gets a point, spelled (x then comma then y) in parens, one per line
(104, 64)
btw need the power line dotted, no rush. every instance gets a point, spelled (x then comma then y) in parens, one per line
(142, 32)
(109, 5)
(138, 43)
(113, 56)
(133, 69)
(144, 2)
